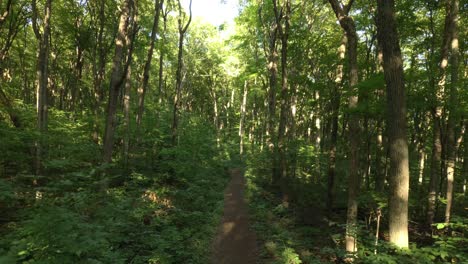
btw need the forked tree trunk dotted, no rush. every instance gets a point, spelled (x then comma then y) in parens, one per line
(396, 123)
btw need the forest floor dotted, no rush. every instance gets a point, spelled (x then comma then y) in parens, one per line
(235, 242)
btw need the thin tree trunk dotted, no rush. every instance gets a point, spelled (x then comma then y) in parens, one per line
(272, 55)
(435, 169)
(334, 126)
(437, 147)
(396, 123)
(379, 167)
(242, 119)
(464, 174)
(42, 77)
(144, 82)
(421, 166)
(161, 56)
(99, 71)
(116, 81)
(178, 94)
(216, 119)
(293, 130)
(77, 68)
(127, 94)
(130, 40)
(367, 153)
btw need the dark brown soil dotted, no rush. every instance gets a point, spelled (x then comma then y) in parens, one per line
(235, 242)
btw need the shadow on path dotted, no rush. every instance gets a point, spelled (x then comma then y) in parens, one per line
(235, 243)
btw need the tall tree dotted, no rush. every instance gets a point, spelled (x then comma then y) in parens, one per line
(145, 79)
(271, 52)
(396, 122)
(42, 76)
(179, 79)
(165, 13)
(349, 27)
(130, 40)
(335, 103)
(437, 111)
(453, 6)
(283, 15)
(99, 53)
(117, 79)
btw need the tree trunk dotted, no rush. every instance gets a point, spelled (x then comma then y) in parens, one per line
(130, 40)
(348, 25)
(242, 120)
(178, 94)
(76, 68)
(161, 57)
(126, 105)
(144, 82)
(452, 106)
(335, 102)
(396, 123)
(435, 169)
(282, 148)
(292, 134)
(436, 159)
(272, 55)
(116, 82)
(379, 165)
(42, 77)
(464, 174)
(99, 67)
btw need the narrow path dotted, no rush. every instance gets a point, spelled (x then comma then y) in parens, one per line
(235, 243)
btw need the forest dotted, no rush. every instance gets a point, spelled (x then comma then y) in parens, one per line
(339, 128)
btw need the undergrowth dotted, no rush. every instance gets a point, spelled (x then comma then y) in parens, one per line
(300, 231)
(160, 209)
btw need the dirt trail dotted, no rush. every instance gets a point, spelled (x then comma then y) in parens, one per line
(235, 243)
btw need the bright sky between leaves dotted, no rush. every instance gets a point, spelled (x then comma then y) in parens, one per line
(215, 12)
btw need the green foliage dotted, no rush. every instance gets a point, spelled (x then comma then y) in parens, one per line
(86, 213)
(286, 238)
